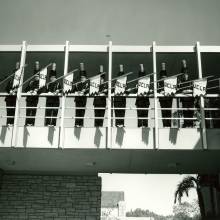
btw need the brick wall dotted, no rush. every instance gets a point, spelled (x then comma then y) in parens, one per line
(50, 197)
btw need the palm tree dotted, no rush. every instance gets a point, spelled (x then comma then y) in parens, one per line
(185, 185)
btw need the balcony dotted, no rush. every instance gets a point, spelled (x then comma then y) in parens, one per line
(153, 149)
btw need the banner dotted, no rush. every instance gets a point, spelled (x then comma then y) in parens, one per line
(17, 78)
(67, 83)
(199, 87)
(120, 85)
(170, 85)
(143, 85)
(94, 85)
(42, 78)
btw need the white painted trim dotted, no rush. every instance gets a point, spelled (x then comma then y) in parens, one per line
(115, 48)
(175, 49)
(16, 119)
(63, 99)
(210, 49)
(45, 48)
(10, 48)
(88, 48)
(109, 101)
(156, 128)
(202, 105)
(132, 49)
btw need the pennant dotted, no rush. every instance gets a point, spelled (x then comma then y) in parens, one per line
(94, 85)
(143, 85)
(199, 87)
(17, 78)
(120, 85)
(170, 85)
(68, 83)
(43, 78)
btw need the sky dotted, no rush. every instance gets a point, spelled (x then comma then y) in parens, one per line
(154, 192)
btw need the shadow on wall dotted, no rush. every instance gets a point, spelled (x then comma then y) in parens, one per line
(97, 137)
(25, 137)
(77, 132)
(198, 145)
(145, 135)
(3, 134)
(50, 136)
(120, 136)
(176, 137)
(173, 135)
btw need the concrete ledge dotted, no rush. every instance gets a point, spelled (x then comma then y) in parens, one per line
(93, 161)
(122, 138)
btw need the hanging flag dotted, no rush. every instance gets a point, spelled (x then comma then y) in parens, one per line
(170, 85)
(94, 85)
(43, 78)
(199, 87)
(68, 83)
(17, 78)
(120, 85)
(143, 85)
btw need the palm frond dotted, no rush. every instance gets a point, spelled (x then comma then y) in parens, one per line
(184, 186)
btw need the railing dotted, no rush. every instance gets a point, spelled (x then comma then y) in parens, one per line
(110, 49)
(130, 119)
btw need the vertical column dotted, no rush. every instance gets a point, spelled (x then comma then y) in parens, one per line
(63, 101)
(156, 131)
(109, 129)
(22, 63)
(202, 105)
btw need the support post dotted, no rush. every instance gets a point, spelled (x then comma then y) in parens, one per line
(156, 131)
(16, 119)
(109, 129)
(202, 103)
(63, 99)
